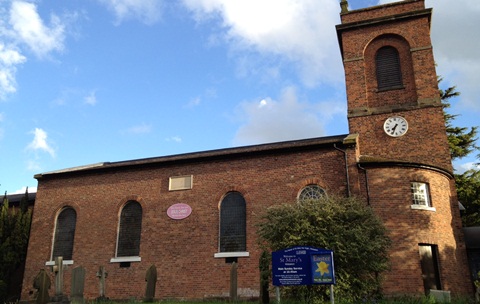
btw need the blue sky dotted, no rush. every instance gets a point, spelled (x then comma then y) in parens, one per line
(88, 81)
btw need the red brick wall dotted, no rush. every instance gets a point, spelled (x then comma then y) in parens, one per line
(362, 33)
(418, 101)
(391, 199)
(182, 250)
(425, 141)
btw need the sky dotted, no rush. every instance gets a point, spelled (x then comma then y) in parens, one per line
(89, 81)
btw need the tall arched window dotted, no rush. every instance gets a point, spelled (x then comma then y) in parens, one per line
(233, 220)
(64, 234)
(130, 230)
(389, 74)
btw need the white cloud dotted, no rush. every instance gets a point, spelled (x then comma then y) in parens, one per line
(269, 120)
(21, 26)
(177, 139)
(91, 99)
(299, 31)
(456, 46)
(142, 128)
(461, 168)
(23, 189)
(147, 11)
(30, 29)
(9, 59)
(33, 165)
(194, 102)
(1, 129)
(40, 142)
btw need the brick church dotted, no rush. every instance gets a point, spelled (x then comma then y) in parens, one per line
(189, 214)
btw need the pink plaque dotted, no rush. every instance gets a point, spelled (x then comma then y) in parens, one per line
(179, 211)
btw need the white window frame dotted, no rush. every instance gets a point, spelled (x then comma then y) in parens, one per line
(124, 259)
(52, 259)
(231, 254)
(420, 195)
(312, 189)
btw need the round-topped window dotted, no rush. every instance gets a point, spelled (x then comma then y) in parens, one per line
(311, 192)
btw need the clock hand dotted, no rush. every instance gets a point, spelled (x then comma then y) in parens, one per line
(393, 129)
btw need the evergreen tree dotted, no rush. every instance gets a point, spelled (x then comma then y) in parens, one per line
(24, 202)
(14, 234)
(462, 141)
(468, 189)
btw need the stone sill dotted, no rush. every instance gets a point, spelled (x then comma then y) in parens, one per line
(65, 262)
(421, 207)
(239, 254)
(126, 259)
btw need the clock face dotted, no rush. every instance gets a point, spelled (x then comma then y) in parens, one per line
(395, 126)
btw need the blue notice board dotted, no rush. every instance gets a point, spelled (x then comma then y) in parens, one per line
(302, 266)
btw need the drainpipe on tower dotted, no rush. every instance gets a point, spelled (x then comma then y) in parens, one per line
(346, 168)
(366, 183)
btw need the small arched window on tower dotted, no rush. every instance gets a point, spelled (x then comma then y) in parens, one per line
(311, 193)
(389, 73)
(64, 234)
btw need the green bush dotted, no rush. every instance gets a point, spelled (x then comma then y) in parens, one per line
(345, 225)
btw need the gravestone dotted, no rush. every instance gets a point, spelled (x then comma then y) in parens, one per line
(102, 275)
(151, 279)
(233, 282)
(78, 285)
(59, 297)
(42, 284)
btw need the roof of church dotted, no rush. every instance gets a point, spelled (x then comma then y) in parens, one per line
(285, 146)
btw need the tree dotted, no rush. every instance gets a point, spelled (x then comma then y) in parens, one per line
(468, 189)
(345, 225)
(462, 142)
(14, 234)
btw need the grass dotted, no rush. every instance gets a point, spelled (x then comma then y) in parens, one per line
(397, 300)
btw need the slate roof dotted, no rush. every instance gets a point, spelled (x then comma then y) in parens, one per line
(277, 147)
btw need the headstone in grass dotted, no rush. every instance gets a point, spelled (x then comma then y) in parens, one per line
(151, 279)
(59, 297)
(42, 284)
(78, 285)
(102, 275)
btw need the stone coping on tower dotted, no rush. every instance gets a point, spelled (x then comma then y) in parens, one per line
(383, 10)
(368, 160)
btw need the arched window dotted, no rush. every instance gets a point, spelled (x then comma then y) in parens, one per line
(64, 234)
(311, 192)
(130, 230)
(233, 219)
(389, 74)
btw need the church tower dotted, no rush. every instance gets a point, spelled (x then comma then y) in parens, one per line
(392, 92)
(403, 154)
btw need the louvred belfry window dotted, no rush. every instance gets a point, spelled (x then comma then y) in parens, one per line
(130, 230)
(389, 74)
(233, 232)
